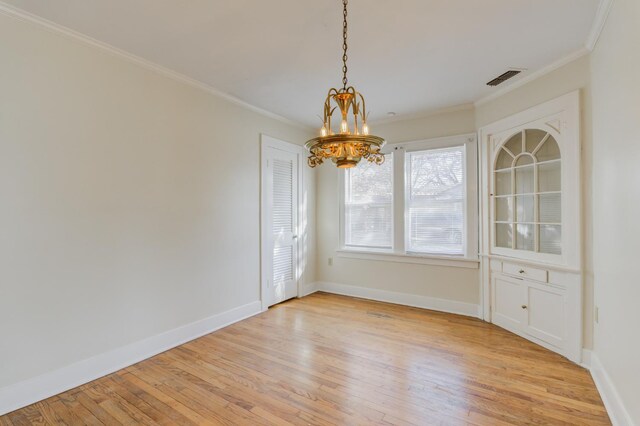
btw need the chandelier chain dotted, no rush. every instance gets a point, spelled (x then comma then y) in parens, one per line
(344, 45)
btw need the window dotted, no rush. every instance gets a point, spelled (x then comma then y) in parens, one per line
(422, 202)
(368, 207)
(435, 194)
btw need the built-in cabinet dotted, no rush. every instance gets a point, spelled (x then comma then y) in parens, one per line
(538, 304)
(530, 225)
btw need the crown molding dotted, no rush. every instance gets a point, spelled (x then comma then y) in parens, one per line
(602, 13)
(598, 23)
(423, 114)
(22, 15)
(533, 76)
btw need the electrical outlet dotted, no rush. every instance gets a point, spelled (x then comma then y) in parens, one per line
(330, 261)
(596, 315)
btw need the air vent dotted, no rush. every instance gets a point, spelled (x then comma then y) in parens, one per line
(504, 77)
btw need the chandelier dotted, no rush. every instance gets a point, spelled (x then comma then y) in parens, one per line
(352, 141)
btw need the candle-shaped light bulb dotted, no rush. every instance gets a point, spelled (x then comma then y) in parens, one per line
(365, 128)
(344, 127)
(323, 131)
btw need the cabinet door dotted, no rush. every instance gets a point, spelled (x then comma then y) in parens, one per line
(530, 178)
(509, 297)
(545, 314)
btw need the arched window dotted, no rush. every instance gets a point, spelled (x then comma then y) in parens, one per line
(527, 193)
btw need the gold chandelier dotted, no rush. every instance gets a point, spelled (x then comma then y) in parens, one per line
(352, 142)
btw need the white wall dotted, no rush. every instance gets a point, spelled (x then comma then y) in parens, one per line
(575, 75)
(129, 202)
(440, 282)
(615, 65)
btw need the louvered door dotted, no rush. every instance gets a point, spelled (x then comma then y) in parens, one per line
(281, 203)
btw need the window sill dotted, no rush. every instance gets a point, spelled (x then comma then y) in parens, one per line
(457, 262)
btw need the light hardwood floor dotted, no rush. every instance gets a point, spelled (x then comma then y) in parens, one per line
(326, 360)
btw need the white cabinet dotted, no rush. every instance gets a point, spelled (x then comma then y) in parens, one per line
(544, 314)
(537, 304)
(509, 298)
(530, 225)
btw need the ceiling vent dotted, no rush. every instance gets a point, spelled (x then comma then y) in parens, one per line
(504, 77)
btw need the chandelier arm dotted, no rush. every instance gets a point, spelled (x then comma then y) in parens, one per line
(364, 108)
(327, 105)
(327, 108)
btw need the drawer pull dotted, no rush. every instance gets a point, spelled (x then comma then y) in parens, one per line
(525, 272)
(524, 306)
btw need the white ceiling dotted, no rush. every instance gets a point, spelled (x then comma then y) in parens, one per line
(407, 56)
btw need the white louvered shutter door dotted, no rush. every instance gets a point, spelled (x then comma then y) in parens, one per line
(283, 218)
(282, 207)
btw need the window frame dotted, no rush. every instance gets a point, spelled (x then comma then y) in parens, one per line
(398, 252)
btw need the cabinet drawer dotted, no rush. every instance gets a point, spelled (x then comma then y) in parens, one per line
(525, 272)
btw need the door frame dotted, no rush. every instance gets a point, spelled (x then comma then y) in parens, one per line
(269, 142)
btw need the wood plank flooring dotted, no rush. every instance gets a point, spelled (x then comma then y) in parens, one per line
(334, 360)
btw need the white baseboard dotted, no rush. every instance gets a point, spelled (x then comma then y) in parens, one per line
(442, 305)
(307, 289)
(613, 403)
(586, 358)
(24, 393)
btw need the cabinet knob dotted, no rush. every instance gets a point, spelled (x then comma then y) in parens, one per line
(524, 306)
(521, 271)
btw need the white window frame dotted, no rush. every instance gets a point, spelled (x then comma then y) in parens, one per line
(343, 200)
(398, 253)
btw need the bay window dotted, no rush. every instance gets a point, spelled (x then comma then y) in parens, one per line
(421, 203)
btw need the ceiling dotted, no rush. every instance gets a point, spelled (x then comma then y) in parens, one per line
(406, 56)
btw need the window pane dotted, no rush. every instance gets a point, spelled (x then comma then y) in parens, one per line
(524, 180)
(368, 204)
(524, 160)
(515, 144)
(550, 208)
(435, 201)
(503, 182)
(524, 208)
(504, 233)
(550, 239)
(504, 160)
(524, 237)
(504, 209)
(534, 137)
(549, 177)
(549, 150)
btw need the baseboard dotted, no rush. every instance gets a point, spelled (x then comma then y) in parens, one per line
(442, 305)
(586, 358)
(615, 406)
(307, 289)
(24, 393)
